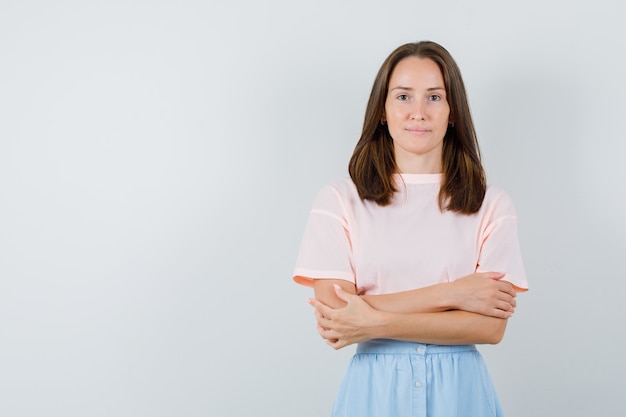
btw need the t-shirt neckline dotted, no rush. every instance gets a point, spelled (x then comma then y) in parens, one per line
(419, 178)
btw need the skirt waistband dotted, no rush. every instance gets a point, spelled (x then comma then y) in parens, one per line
(388, 346)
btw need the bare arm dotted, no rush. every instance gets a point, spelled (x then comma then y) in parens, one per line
(325, 291)
(357, 321)
(484, 293)
(444, 328)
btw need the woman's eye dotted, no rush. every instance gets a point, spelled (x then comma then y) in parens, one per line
(434, 97)
(403, 97)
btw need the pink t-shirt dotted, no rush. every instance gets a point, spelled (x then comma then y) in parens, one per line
(410, 243)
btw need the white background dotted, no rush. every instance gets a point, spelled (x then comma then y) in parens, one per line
(158, 160)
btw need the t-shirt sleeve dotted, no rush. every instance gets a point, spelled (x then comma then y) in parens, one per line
(500, 251)
(325, 250)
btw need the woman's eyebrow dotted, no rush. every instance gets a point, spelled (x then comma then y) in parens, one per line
(401, 88)
(411, 89)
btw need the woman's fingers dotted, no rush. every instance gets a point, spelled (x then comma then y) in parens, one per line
(319, 306)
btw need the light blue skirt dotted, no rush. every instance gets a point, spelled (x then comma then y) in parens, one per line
(389, 378)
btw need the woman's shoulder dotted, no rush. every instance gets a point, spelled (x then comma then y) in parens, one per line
(495, 191)
(340, 191)
(343, 187)
(498, 198)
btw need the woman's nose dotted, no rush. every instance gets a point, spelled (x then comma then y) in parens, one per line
(417, 111)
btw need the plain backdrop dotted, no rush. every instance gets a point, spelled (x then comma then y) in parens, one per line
(158, 160)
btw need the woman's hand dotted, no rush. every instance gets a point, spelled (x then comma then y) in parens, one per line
(344, 326)
(485, 293)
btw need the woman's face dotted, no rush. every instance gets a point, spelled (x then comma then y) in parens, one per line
(417, 114)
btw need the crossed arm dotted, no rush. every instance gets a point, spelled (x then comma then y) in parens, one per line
(473, 309)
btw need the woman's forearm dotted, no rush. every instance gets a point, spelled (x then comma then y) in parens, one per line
(443, 328)
(483, 293)
(358, 321)
(431, 299)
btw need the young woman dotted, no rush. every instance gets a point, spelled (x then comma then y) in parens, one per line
(414, 257)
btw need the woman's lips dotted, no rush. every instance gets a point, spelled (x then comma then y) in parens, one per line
(417, 130)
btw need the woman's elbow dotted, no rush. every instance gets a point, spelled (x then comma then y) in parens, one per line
(496, 332)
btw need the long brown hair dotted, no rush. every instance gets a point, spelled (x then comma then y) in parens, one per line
(373, 164)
